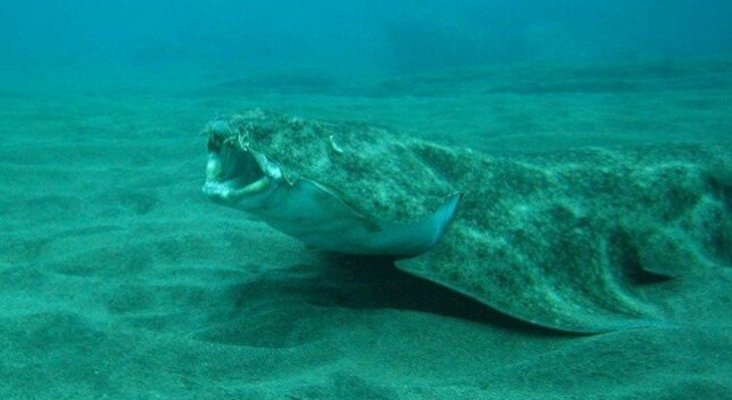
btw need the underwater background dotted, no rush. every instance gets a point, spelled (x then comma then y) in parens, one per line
(119, 279)
(348, 41)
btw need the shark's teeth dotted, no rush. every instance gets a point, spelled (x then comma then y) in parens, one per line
(213, 168)
(224, 191)
(252, 188)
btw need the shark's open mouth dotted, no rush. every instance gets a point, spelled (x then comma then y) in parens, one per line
(234, 174)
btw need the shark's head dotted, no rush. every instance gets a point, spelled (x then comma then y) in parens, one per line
(241, 173)
(236, 175)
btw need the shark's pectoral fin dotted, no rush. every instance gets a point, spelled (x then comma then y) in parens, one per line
(408, 240)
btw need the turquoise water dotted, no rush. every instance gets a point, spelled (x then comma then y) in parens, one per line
(589, 258)
(351, 38)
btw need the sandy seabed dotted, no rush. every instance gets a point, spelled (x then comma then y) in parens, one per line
(118, 279)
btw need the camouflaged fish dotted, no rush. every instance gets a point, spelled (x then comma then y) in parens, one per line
(573, 244)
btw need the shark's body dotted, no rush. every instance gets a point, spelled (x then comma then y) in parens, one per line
(358, 189)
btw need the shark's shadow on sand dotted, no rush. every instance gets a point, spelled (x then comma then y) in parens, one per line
(370, 283)
(375, 283)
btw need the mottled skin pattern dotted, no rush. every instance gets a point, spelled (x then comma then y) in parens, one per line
(579, 241)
